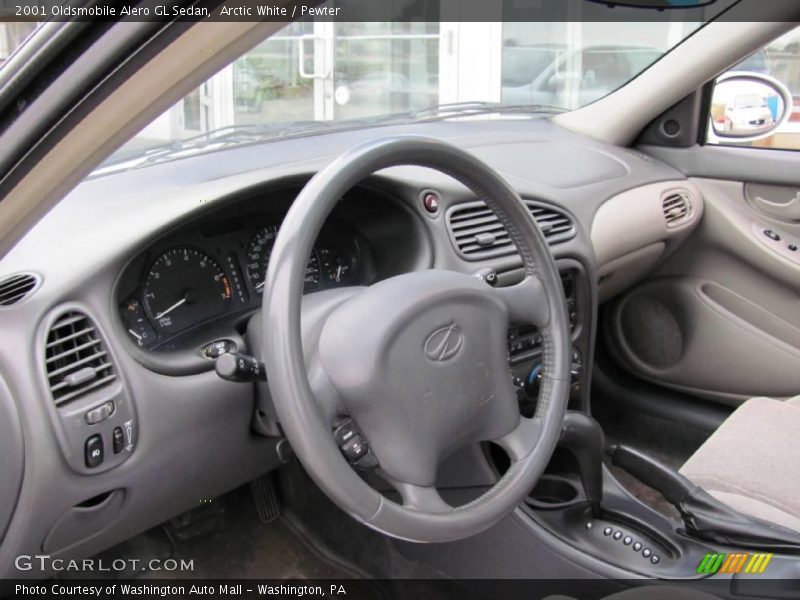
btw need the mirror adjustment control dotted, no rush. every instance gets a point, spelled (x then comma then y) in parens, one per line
(241, 368)
(93, 451)
(118, 440)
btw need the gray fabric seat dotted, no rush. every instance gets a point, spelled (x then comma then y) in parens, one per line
(752, 462)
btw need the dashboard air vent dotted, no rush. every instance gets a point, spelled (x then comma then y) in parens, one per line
(14, 288)
(677, 208)
(76, 358)
(477, 233)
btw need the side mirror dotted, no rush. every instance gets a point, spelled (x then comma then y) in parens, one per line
(749, 106)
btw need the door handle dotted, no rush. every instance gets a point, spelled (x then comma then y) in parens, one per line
(301, 57)
(775, 201)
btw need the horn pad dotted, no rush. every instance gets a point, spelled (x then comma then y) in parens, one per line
(424, 372)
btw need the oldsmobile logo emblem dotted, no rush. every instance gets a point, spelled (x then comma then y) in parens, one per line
(444, 343)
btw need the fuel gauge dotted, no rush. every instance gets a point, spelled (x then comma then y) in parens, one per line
(136, 323)
(336, 266)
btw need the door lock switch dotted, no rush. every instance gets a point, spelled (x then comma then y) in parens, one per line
(118, 440)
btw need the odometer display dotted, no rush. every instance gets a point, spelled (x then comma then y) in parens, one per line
(183, 287)
(260, 249)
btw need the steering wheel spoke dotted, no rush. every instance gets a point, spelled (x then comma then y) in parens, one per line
(327, 398)
(315, 310)
(526, 301)
(522, 440)
(420, 498)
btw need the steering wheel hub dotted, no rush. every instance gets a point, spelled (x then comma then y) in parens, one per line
(419, 361)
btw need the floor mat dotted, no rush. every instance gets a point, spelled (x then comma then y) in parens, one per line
(241, 546)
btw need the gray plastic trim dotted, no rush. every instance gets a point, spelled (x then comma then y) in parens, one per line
(753, 165)
(630, 233)
(734, 330)
(69, 421)
(38, 283)
(12, 456)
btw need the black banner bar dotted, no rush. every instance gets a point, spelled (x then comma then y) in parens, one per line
(382, 589)
(392, 10)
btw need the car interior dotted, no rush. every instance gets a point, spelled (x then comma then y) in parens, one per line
(480, 343)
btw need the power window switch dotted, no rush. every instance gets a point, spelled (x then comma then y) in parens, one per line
(93, 451)
(118, 440)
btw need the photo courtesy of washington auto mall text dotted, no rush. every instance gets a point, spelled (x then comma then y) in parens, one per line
(155, 590)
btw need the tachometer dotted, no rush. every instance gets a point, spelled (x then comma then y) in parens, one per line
(260, 249)
(185, 286)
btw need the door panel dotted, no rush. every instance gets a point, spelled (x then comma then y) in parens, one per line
(720, 319)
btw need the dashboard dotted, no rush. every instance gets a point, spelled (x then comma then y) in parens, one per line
(171, 259)
(208, 275)
(216, 270)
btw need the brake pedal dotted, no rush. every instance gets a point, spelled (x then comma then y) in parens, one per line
(265, 497)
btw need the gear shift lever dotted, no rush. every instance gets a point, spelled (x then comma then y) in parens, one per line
(583, 437)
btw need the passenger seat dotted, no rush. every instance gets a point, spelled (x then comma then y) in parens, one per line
(752, 462)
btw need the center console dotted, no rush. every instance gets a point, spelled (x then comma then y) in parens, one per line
(525, 344)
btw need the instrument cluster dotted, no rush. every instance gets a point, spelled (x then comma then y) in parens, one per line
(216, 270)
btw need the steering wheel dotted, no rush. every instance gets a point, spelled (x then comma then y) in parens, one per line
(417, 361)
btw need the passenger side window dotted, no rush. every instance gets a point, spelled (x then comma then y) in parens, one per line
(757, 103)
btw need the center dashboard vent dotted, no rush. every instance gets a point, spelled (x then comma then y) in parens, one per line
(76, 358)
(677, 208)
(477, 233)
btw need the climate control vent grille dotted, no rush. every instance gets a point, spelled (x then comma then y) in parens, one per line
(477, 233)
(16, 287)
(76, 358)
(677, 208)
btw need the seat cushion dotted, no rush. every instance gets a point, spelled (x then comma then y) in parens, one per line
(752, 462)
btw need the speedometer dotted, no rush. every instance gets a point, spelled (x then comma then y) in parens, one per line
(260, 249)
(185, 286)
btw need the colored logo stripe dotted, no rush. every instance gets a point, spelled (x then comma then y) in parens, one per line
(734, 563)
(758, 564)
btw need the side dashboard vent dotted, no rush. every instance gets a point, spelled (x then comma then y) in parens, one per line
(15, 288)
(477, 233)
(76, 358)
(677, 208)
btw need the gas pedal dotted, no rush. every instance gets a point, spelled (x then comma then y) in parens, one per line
(265, 497)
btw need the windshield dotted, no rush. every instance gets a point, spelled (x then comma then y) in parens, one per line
(317, 76)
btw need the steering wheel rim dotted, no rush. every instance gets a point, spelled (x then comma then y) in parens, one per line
(538, 299)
